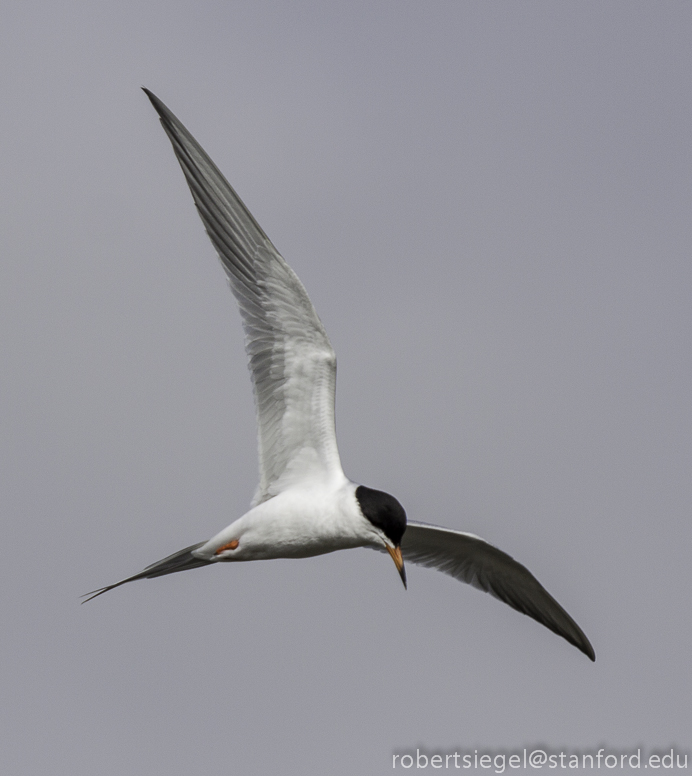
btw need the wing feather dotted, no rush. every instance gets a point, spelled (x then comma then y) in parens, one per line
(470, 559)
(291, 360)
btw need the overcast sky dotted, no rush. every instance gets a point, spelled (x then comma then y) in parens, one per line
(490, 206)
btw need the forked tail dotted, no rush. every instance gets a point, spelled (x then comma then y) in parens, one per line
(179, 561)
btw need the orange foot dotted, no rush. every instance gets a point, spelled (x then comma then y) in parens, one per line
(230, 546)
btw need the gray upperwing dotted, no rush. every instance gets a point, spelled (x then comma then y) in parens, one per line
(471, 559)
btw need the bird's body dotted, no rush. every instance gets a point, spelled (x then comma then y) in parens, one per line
(304, 504)
(304, 520)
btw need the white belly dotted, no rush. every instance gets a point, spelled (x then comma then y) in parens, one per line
(298, 523)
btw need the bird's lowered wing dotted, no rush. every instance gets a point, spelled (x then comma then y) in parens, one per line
(470, 559)
(292, 363)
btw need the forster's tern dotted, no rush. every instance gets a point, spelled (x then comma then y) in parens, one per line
(304, 504)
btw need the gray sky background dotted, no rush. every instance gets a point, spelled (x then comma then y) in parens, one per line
(489, 204)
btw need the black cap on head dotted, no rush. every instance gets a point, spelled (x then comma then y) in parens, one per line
(383, 511)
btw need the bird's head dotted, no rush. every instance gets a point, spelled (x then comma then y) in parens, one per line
(388, 518)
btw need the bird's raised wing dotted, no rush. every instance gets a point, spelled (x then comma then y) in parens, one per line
(292, 363)
(470, 559)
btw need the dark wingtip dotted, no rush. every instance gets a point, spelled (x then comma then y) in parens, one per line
(588, 650)
(158, 105)
(577, 639)
(576, 636)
